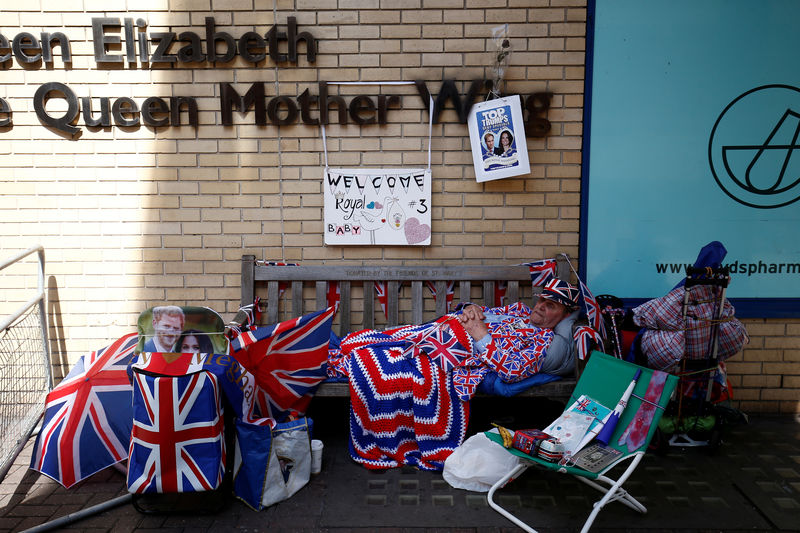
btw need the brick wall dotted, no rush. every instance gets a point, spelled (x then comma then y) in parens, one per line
(131, 217)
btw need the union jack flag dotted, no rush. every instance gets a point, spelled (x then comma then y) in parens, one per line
(541, 271)
(500, 293)
(592, 309)
(380, 290)
(87, 421)
(288, 361)
(334, 294)
(281, 284)
(585, 339)
(450, 292)
(177, 442)
(583, 403)
(446, 347)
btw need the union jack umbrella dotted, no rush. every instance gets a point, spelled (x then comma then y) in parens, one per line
(288, 361)
(88, 416)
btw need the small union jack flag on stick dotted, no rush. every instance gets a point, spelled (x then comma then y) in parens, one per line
(542, 271)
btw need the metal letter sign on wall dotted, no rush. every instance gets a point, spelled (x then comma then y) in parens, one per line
(693, 136)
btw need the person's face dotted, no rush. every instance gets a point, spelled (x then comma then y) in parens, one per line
(505, 140)
(547, 313)
(168, 329)
(490, 142)
(190, 344)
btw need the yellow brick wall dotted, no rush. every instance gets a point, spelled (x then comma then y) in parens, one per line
(132, 217)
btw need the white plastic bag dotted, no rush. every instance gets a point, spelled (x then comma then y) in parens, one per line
(478, 464)
(289, 464)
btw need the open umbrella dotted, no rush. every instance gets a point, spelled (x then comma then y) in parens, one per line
(88, 416)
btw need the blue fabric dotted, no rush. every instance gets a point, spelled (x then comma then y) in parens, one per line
(335, 342)
(492, 384)
(711, 255)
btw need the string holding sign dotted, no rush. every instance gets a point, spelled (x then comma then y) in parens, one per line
(377, 206)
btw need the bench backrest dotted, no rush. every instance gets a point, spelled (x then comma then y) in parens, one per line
(473, 283)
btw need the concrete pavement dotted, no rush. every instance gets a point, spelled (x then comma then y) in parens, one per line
(750, 483)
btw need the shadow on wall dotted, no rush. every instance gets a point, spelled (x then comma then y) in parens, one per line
(58, 348)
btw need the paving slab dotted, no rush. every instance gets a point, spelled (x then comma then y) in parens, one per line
(750, 483)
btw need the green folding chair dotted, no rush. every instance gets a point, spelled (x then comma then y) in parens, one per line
(604, 380)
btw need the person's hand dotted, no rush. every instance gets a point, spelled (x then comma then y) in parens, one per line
(472, 319)
(471, 312)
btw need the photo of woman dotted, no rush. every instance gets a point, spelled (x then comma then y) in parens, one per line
(194, 341)
(506, 144)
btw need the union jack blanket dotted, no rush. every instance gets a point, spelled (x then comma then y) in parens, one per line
(403, 409)
(410, 386)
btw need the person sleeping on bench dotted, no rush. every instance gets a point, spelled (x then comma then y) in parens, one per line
(516, 342)
(513, 346)
(410, 386)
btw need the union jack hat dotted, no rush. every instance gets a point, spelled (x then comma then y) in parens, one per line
(561, 292)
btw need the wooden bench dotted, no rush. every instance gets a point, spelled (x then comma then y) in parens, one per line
(306, 291)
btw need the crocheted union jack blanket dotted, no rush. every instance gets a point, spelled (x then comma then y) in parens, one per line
(403, 408)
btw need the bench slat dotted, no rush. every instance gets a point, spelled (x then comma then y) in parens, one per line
(369, 304)
(345, 308)
(297, 298)
(322, 294)
(416, 302)
(512, 292)
(272, 302)
(441, 298)
(393, 302)
(488, 293)
(464, 288)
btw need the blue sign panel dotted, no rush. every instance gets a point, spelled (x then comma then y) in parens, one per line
(692, 136)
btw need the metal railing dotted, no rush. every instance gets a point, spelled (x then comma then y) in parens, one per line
(25, 376)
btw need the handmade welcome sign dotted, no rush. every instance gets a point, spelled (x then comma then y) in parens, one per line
(377, 206)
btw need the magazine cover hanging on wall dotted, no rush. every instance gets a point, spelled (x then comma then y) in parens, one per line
(497, 136)
(378, 206)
